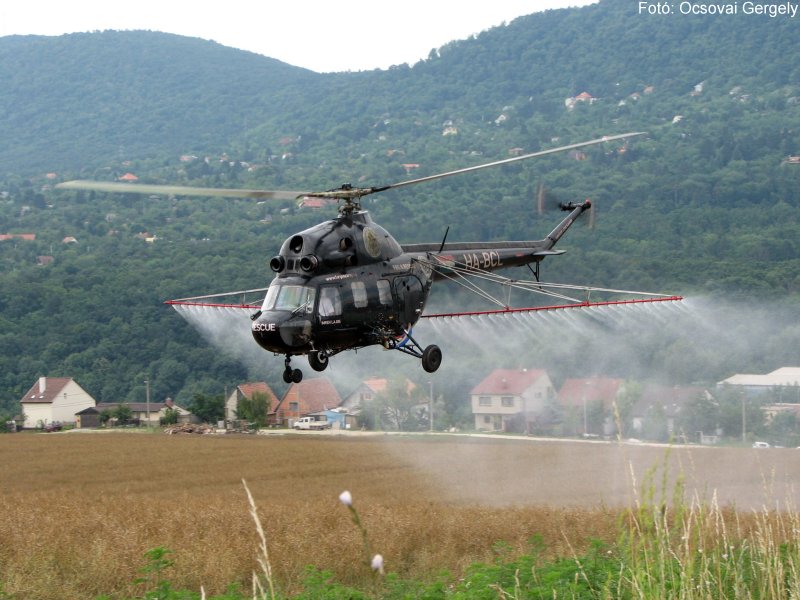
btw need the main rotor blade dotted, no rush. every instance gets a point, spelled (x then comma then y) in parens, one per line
(174, 190)
(514, 159)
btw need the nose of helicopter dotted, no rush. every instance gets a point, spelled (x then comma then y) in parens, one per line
(281, 332)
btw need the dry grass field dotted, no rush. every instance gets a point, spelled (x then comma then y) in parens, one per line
(80, 510)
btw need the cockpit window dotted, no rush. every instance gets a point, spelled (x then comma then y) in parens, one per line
(289, 297)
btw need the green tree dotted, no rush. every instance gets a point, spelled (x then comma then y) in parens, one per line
(783, 429)
(122, 413)
(208, 408)
(700, 415)
(254, 409)
(399, 406)
(170, 417)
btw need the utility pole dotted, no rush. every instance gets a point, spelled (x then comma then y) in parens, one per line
(147, 399)
(585, 420)
(744, 422)
(430, 411)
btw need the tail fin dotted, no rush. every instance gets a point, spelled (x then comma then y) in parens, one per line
(576, 209)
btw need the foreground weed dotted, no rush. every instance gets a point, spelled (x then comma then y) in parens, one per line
(263, 557)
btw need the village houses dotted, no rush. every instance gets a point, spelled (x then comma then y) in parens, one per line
(54, 400)
(303, 399)
(512, 399)
(246, 390)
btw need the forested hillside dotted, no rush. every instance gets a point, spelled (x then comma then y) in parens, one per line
(706, 203)
(84, 99)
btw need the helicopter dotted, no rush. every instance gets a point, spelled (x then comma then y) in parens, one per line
(346, 283)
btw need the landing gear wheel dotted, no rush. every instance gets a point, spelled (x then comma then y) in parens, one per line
(431, 358)
(291, 375)
(318, 360)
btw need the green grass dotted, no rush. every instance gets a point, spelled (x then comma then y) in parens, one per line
(665, 549)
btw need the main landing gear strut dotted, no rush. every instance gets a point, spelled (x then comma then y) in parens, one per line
(431, 356)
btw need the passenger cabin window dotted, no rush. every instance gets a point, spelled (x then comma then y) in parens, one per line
(384, 292)
(359, 290)
(330, 302)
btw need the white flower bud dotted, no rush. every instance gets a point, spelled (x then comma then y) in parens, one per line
(377, 563)
(346, 498)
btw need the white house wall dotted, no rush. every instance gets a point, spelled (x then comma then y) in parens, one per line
(533, 400)
(71, 399)
(37, 414)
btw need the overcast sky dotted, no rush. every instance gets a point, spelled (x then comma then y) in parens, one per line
(322, 35)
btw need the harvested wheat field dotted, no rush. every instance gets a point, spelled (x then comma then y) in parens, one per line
(82, 509)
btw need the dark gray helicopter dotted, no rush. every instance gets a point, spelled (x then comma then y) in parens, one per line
(346, 283)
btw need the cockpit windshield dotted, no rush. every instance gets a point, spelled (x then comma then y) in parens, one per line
(289, 297)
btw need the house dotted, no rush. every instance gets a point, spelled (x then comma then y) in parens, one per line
(367, 391)
(302, 399)
(54, 400)
(128, 177)
(88, 418)
(587, 401)
(577, 155)
(698, 89)
(316, 203)
(28, 237)
(246, 390)
(512, 399)
(396, 412)
(781, 379)
(658, 408)
(149, 413)
(585, 97)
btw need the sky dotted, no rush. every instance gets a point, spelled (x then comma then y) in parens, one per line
(321, 35)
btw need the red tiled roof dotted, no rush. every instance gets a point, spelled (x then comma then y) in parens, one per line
(248, 389)
(316, 202)
(52, 386)
(575, 391)
(377, 384)
(508, 381)
(28, 237)
(312, 395)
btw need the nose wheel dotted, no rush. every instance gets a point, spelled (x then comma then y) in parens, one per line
(291, 375)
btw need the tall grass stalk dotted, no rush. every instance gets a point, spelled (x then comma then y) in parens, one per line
(696, 550)
(263, 556)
